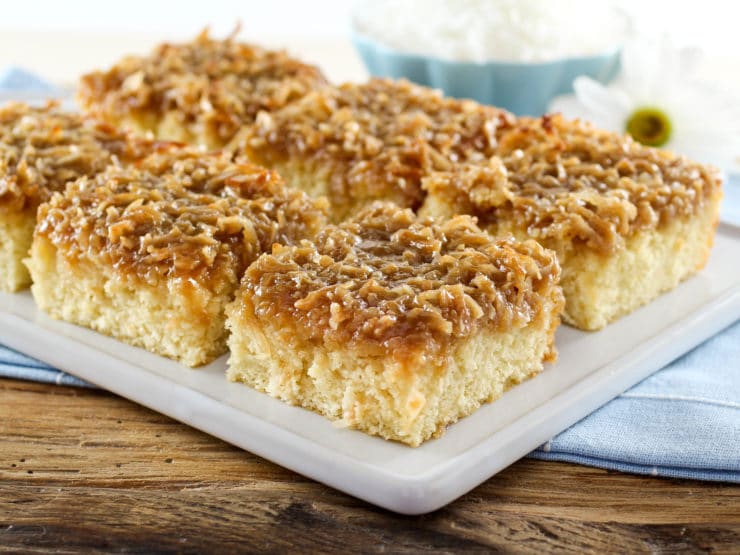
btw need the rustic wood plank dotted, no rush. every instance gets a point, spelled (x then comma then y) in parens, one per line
(85, 470)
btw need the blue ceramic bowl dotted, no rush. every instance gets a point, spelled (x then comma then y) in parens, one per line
(522, 88)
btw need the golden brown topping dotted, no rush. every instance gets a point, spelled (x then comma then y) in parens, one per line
(567, 180)
(215, 86)
(200, 217)
(387, 281)
(378, 139)
(212, 173)
(41, 149)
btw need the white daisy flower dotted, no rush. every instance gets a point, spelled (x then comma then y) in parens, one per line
(657, 101)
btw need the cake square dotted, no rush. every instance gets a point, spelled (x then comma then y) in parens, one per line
(395, 325)
(358, 143)
(201, 92)
(627, 222)
(41, 149)
(151, 253)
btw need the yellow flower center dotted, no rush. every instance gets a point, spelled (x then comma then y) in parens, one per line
(649, 126)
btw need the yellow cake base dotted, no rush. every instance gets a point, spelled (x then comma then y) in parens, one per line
(177, 318)
(16, 235)
(169, 127)
(601, 288)
(378, 395)
(316, 181)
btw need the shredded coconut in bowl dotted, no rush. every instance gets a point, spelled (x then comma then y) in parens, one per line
(487, 30)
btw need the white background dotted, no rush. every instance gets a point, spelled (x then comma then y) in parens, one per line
(61, 39)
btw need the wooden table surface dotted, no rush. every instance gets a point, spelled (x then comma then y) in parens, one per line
(85, 470)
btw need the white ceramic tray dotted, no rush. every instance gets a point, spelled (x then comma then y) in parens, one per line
(592, 369)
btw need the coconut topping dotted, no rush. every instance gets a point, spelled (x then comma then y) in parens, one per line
(178, 214)
(213, 85)
(41, 149)
(389, 281)
(376, 140)
(566, 180)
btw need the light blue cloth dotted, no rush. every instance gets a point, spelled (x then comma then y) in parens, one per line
(14, 79)
(16, 365)
(682, 422)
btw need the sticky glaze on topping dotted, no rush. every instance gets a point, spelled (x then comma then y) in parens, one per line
(387, 281)
(219, 84)
(566, 180)
(198, 217)
(41, 149)
(376, 139)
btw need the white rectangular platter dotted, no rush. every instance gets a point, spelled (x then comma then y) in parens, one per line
(592, 369)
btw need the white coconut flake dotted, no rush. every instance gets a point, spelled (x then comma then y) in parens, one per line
(488, 30)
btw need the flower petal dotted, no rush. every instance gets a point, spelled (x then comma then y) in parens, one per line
(654, 70)
(609, 106)
(598, 98)
(639, 67)
(712, 144)
(570, 107)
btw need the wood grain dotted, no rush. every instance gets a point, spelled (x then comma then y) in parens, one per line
(85, 470)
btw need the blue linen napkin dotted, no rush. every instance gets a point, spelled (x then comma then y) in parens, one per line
(16, 79)
(681, 422)
(16, 365)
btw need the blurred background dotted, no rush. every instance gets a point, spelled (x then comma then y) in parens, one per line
(60, 40)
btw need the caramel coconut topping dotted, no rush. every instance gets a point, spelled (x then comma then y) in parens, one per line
(214, 86)
(200, 216)
(565, 180)
(387, 281)
(376, 139)
(41, 149)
